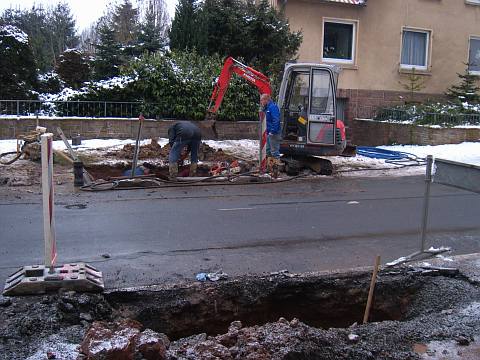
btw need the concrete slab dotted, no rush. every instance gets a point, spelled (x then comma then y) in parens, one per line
(37, 279)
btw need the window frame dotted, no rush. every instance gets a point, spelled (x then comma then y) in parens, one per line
(476, 38)
(428, 33)
(354, 24)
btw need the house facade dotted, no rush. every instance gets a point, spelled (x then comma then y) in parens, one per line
(379, 43)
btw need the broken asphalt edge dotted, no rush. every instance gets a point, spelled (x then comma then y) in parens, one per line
(468, 265)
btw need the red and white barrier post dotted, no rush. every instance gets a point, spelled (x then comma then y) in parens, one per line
(39, 279)
(263, 142)
(48, 201)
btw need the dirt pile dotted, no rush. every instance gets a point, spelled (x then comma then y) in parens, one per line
(123, 339)
(153, 150)
(149, 151)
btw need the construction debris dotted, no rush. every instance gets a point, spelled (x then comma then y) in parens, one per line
(213, 276)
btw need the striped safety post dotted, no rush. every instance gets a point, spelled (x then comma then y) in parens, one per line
(263, 142)
(48, 201)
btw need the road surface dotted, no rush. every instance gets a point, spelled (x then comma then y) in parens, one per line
(140, 237)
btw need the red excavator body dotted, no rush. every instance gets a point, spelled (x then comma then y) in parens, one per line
(307, 103)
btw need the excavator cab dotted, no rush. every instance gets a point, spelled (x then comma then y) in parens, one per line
(307, 102)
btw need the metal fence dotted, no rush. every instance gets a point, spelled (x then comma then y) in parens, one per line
(427, 118)
(105, 109)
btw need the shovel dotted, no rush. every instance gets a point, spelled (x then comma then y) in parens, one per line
(137, 145)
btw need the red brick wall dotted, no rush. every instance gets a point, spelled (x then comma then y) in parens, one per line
(364, 103)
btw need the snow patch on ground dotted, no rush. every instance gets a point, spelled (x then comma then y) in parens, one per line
(467, 152)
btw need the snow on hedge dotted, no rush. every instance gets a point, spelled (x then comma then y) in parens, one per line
(15, 32)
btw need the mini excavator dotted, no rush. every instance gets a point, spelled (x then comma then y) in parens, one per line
(308, 114)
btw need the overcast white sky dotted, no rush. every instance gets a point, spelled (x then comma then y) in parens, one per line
(85, 11)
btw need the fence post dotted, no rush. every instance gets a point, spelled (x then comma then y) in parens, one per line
(104, 109)
(18, 107)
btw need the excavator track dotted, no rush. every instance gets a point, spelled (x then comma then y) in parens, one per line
(295, 164)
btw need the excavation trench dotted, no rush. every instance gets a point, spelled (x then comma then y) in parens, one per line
(154, 158)
(107, 172)
(319, 302)
(424, 306)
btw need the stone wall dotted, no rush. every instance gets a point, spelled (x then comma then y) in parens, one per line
(118, 128)
(359, 132)
(373, 133)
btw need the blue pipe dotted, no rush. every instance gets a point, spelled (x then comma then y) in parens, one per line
(376, 153)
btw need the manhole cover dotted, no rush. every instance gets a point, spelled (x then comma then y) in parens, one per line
(76, 206)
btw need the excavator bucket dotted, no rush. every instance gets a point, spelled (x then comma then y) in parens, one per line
(208, 128)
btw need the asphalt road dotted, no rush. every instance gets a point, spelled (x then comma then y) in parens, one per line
(153, 236)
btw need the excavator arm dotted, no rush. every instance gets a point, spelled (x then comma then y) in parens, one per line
(231, 66)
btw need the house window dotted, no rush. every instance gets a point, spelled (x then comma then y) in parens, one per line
(474, 56)
(415, 49)
(339, 41)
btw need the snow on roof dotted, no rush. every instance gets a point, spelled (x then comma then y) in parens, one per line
(15, 32)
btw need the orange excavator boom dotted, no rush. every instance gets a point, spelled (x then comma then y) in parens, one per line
(234, 66)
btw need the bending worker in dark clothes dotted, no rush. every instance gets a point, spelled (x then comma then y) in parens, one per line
(183, 135)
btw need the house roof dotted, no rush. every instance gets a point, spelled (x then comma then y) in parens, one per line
(351, 2)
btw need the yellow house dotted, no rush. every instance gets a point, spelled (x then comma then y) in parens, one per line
(378, 43)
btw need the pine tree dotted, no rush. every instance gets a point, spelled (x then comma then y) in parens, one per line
(158, 10)
(73, 68)
(125, 23)
(270, 43)
(33, 23)
(256, 33)
(62, 29)
(183, 26)
(224, 24)
(149, 38)
(17, 65)
(414, 83)
(467, 91)
(50, 31)
(108, 53)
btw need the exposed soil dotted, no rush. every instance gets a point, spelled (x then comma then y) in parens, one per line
(25, 173)
(155, 151)
(416, 314)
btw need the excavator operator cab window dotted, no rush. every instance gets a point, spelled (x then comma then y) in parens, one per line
(296, 106)
(299, 92)
(321, 118)
(322, 97)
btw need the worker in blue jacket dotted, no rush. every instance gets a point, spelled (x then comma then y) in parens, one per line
(272, 115)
